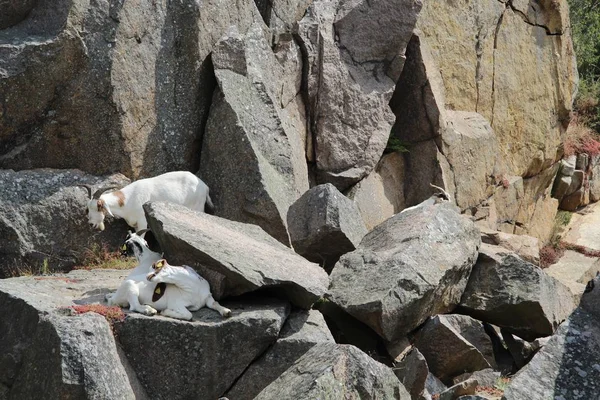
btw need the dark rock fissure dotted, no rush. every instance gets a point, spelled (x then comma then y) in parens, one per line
(498, 25)
(528, 22)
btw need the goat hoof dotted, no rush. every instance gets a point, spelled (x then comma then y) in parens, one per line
(227, 313)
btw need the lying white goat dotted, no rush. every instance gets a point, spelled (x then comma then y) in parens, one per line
(154, 286)
(436, 198)
(179, 187)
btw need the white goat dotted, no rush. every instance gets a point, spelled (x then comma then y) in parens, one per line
(179, 187)
(154, 286)
(436, 198)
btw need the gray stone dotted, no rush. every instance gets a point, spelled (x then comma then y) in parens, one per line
(235, 258)
(433, 385)
(566, 367)
(594, 179)
(355, 53)
(324, 224)
(301, 331)
(561, 186)
(263, 170)
(567, 166)
(45, 350)
(576, 181)
(582, 161)
(43, 219)
(200, 359)
(465, 388)
(511, 293)
(414, 265)
(335, 371)
(453, 344)
(381, 194)
(526, 247)
(110, 87)
(485, 377)
(412, 371)
(14, 11)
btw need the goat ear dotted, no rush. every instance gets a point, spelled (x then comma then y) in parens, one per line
(107, 209)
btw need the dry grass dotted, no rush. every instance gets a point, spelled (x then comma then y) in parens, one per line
(100, 257)
(580, 139)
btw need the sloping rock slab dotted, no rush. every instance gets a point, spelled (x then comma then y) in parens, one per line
(412, 371)
(46, 351)
(334, 371)
(235, 258)
(200, 359)
(252, 159)
(414, 265)
(567, 367)
(526, 247)
(43, 218)
(302, 330)
(513, 294)
(453, 344)
(324, 224)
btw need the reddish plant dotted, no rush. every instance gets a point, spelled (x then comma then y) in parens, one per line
(57, 278)
(586, 251)
(550, 255)
(111, 313)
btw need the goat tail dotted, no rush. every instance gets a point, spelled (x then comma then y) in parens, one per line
(209, 207)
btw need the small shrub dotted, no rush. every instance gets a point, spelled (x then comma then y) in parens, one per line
(563, 218)
(396, 145)
(100, 257)
(549, 255)
(580, 139)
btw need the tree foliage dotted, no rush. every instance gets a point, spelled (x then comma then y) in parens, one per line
(585, 25)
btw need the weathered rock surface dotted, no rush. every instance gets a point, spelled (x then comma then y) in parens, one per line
(381, 194)
(263, 170)
(355, 53)
(334, 371)
(485, 377)
(412, 371)
(410, 267)
(526, 247)
(521, 350)
(511, 293)
(465, 388)
(453, 344)
(111, 87)
(302, 330)
(566, 367)
(235, 258)
(324, 224)
(45, 350)
(14, 11)
(176, 359)
(43, 219)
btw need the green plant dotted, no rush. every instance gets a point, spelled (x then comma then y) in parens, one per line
(100, 257)
(563, 218)
(502, 383)
(45, 269)
(396, 145)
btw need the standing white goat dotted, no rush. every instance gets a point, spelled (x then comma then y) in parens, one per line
(179, 187)
(154, 285)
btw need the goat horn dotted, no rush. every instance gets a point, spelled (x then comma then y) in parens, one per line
(99, 192)
(141, 232)
(442, 190)
(89, 189)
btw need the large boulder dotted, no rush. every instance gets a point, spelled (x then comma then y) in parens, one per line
(414, 265)
(263, 169)
(46, 351)
(235, 258)
(453, 344)
(355, 53)
(324, 224)
(110, 87)
(201, 359)
(511, 293)
(412, 371)
(302, 330)
(334, 371)
(380, 195)
(43, 219)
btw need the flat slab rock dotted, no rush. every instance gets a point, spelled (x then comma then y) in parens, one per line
(414, 265)
(234, 257)
(335, 371)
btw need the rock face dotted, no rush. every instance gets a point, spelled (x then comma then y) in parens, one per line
(324, 224)
(235, 258)
(508, 292)
(381, 194)
(14, 11)
(110, 87)
(263, 170)
(46, 350)
(355, 53)
(204, 357)
(526, 247)
(414, 265)
(453, 344)
(412, 371)
(302, 330)
(43, 219)
(334, 371)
